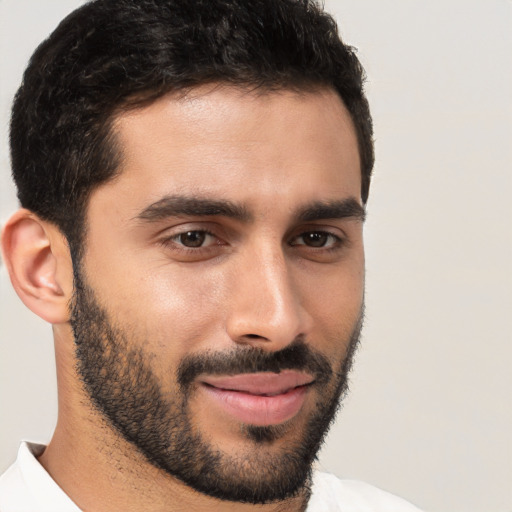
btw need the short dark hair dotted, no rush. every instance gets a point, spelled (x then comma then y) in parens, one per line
(112, 54)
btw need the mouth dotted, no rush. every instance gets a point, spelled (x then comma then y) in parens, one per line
(260, 399)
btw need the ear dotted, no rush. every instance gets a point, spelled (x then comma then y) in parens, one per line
(38, 260)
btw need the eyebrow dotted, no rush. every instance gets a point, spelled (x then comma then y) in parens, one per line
(175, 206)
(341, 209)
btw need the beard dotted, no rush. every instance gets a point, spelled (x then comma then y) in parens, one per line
(123, 387)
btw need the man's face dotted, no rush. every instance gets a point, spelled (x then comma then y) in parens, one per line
(221, 291)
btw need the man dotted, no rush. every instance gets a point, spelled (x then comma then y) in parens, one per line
(193, 179)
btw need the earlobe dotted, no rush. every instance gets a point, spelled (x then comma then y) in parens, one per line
(37, 258)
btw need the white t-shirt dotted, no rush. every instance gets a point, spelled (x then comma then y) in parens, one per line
(27, 487)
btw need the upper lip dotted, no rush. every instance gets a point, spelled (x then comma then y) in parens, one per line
(264, 383)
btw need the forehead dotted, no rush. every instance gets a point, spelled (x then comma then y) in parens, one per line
(243, 146)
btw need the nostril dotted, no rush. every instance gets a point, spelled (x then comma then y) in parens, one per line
(255, 336)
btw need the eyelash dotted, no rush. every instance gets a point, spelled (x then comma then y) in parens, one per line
(336, 240)
(172, 240)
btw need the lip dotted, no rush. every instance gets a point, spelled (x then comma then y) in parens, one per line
(259, 398)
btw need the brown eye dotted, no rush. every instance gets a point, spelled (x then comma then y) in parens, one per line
(193, 245)
(316, 239)
(192, 238)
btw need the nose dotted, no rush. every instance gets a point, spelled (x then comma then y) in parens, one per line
(266, 309)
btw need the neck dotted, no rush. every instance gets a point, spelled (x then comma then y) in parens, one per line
(104, 474)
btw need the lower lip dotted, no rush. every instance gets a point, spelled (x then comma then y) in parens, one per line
(256, 409)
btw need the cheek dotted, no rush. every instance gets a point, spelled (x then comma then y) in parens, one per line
(335, 303)
(171, 309)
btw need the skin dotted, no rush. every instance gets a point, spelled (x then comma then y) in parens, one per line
(255, 282)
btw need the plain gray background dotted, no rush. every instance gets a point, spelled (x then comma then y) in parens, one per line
(429, 416)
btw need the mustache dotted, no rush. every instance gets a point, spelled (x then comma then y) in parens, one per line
(298, 355)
